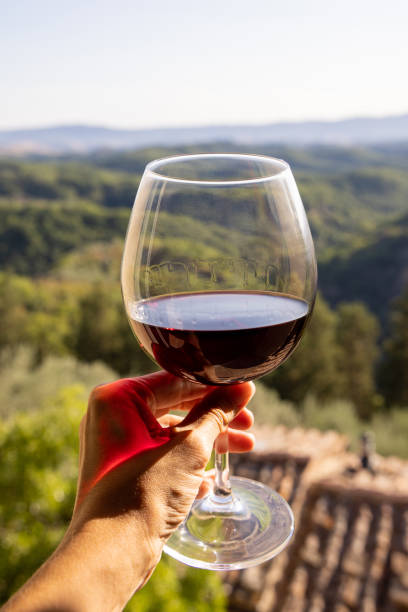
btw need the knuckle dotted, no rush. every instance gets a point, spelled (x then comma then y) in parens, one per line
(95, 395)
(145, 393)
(219, 418)
(104, 395)
(98, 400)
(226, 403)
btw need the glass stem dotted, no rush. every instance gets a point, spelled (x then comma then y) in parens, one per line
(222, 486)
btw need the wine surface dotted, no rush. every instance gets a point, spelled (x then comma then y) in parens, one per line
(219, 337)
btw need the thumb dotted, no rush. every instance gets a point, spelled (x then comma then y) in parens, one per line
(217, 409)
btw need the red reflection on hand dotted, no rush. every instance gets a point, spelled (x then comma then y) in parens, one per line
(124, 426)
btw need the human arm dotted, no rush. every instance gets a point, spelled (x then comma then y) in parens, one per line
(137, 483)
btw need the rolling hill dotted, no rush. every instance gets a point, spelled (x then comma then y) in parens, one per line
(356, 198)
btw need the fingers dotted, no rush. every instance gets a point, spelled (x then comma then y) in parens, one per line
(238, 441)
(217, 409)
(163, 391)
(244, 420)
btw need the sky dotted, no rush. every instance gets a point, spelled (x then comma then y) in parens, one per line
(159, 63)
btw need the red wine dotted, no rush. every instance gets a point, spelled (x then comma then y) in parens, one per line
(219, 337)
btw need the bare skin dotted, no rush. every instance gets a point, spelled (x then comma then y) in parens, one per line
(136, 485)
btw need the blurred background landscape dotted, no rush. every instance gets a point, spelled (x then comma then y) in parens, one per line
(64, 330)
(92, 95)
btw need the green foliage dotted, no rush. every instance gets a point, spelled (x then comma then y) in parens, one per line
(390, 429)
(356, 201)
(37, 484)
(312, 368)
(62, 318)
(375, 273)
(346, 209)
(336, 359)
(45, 180)
(270, 409)
(41, 314)
(178, 588)
(25, 389)
(15, 294)
(391, 432)
(339, 415)
(357, 337)
(103, 332)
(35, 236)
(96, 261)
(393, 374)
(46, 208)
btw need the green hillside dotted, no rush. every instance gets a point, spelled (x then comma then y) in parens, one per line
(356, 206)
(64, 222)
(375, 274)
(36, 234)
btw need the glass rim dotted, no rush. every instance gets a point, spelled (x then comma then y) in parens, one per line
(283, 168)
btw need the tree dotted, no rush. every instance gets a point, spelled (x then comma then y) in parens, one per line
(14, 293)
(394, 368)
(104, 334)
(37, 485)
(313, 368)
(39, 314)
(357, 335)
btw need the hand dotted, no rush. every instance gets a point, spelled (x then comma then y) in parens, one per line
(140, 471)
(135, 457)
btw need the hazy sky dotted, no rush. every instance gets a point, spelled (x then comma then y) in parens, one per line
(137, 63)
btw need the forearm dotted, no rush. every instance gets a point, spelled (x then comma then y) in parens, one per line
(95, 569)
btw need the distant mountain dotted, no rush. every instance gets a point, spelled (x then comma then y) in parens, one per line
(84, 139)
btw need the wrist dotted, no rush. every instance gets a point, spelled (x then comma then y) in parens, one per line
(118, 557)
(97, 567)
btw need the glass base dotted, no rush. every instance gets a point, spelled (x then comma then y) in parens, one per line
(235, 532)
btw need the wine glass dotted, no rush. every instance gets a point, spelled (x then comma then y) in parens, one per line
(219, 279)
